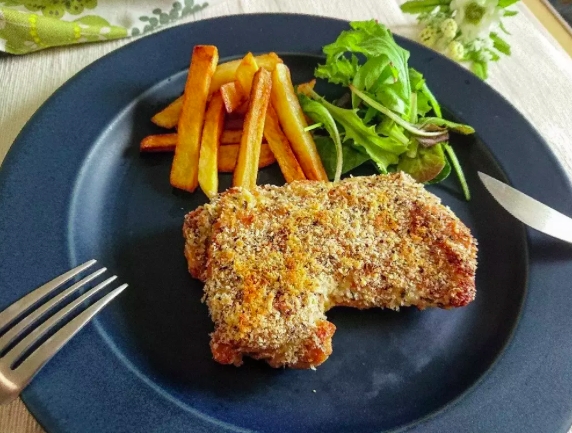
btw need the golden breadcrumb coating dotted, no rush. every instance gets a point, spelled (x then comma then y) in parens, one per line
(275, 259)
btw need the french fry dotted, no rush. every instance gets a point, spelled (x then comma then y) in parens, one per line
(185, 168)
(228, 155)
(246, 169)
(293, 122)
(226, 72)
(169, 116)
(232, 96)
(230, 136)
(159, 143)
(168, 142)
(280, 147)
(210, 142)
(245, 73)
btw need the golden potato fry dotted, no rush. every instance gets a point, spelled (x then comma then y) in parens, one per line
(228, 155)
(159, 143)
(210, 142)
(185, 168)
(246, 169)
(226, 72)
(293, 122)
(245, 73)
(168, 142)
(280, 147)
(169, 116)
(231, 136)
(232, 96)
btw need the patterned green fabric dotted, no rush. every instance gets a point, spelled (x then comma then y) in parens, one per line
(31, 25)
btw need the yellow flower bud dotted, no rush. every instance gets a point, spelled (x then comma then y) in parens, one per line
(456, 50)
(449, 28)
(428, 36)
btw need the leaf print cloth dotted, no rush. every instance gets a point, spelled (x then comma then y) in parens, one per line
(31, 25)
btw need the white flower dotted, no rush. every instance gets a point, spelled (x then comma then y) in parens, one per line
(475, 18)
(481, 44)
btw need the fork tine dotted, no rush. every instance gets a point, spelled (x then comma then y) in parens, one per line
(14, 310)
(23, 345)
(25, 323)
(52, 345)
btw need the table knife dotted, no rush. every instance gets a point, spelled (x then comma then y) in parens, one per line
(528, 210)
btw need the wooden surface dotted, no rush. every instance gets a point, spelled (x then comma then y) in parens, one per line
(537, 79)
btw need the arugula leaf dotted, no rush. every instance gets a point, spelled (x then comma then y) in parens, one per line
(458, 170)
(338, 71)
(508, 14)
(382, 158)
(352, 156)
(427, 164)
(320, 114)
(371, 40)
(389, 128)
(500, 44)
(420, 6)
(367, 75)
(459, 127)
(358, 131)
(424, 96)
(401, 122)
(444, 174)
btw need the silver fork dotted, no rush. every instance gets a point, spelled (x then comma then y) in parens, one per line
(14, 378)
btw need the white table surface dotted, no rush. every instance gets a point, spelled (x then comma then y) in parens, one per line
(536, 79)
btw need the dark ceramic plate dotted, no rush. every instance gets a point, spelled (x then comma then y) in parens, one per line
(74, 186)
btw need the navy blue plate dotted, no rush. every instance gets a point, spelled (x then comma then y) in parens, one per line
(74, 186)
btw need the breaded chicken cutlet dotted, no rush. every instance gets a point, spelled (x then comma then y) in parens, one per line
(275, 259)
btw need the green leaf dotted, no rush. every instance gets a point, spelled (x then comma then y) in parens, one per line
(506, 3)
(370, 39)
(420, 6)
(437, 121)
(458, 170)
(425, 99)
(320, 114)
(401, 122)
(480, 69)
(388, 128)
(352, 156)
(503, 28)
(509, 14)
(358, 131)
(339, 71)
(427, 164)
(423, 105)
(500, 44)
(444, 174)
(367, 75)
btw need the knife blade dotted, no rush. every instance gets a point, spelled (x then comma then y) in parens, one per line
(528, 210)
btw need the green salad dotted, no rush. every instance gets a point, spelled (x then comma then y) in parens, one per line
(388, 116)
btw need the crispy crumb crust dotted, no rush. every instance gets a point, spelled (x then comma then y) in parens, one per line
(275, 259)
